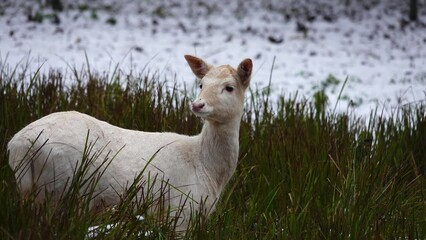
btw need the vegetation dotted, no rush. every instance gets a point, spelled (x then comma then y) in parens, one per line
(303, 173)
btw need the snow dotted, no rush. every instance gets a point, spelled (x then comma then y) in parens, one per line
(94, 231)
(382, 57)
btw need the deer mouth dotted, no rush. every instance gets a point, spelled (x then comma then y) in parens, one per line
(201, 110)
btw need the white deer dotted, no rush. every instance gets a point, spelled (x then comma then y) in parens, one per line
(199, 166)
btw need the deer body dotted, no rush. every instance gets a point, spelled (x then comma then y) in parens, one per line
(198, 166)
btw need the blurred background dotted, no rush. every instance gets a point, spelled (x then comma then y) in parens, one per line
(302, 48)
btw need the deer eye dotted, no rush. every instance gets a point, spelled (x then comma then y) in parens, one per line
(201, 86)
(229, 88)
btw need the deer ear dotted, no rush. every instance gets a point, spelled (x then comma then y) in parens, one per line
(244, 71)
(198, 66)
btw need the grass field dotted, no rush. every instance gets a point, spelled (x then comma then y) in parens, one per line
(303, 172)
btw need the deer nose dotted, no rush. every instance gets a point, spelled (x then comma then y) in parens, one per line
(197, 106)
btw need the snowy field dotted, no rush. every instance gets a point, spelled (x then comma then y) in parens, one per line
(382, 55)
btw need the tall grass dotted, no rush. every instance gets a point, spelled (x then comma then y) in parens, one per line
(303, 173)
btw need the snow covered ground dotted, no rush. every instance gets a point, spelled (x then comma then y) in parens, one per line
(382, 55)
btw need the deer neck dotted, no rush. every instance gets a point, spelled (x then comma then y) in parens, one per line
(219, 150)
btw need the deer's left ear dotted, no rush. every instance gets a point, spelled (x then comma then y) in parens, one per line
(244, 71)
(198, 66)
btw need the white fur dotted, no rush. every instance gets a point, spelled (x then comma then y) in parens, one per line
(199, 166)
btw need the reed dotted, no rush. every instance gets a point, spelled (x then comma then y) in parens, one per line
(304, 172)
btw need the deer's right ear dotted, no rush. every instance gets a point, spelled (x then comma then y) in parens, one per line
(198, 66)
(244, 71)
